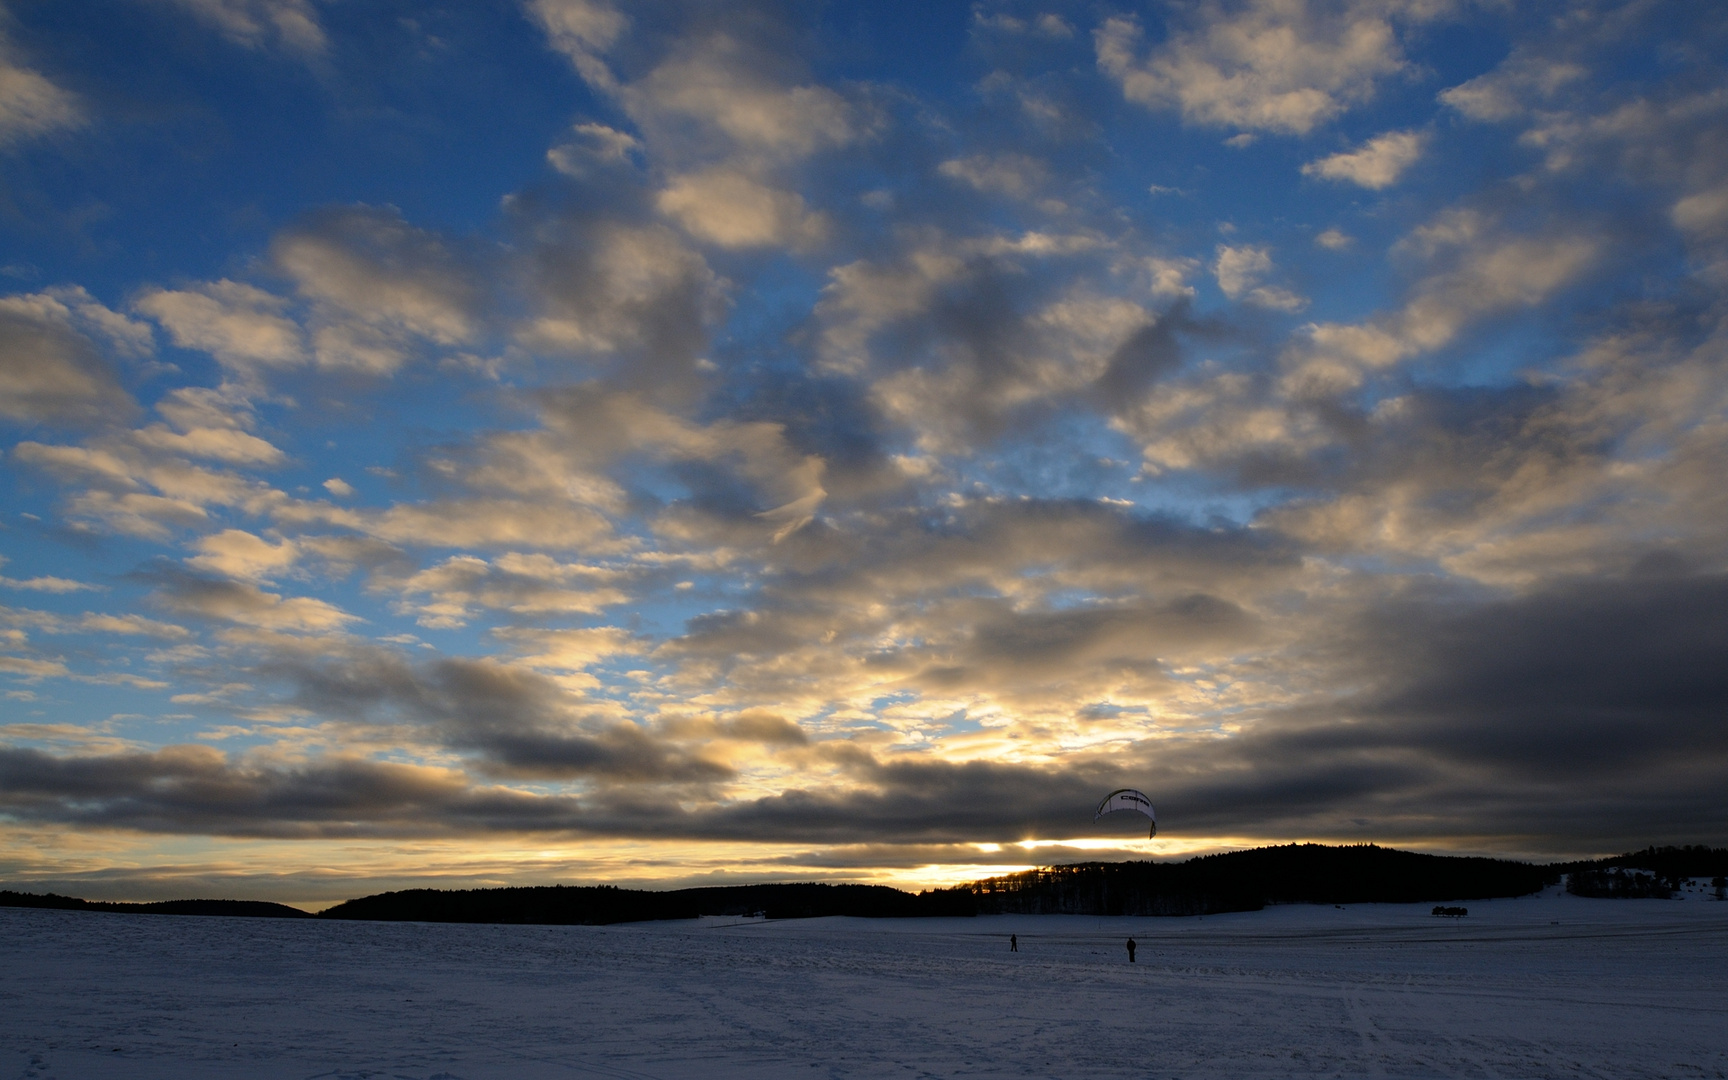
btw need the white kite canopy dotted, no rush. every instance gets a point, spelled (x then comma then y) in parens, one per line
(1128, 799)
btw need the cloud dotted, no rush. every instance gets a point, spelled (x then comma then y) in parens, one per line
(242, 603)
(31, 105)
(570, 650)
(467, 523)
(1212, 418)
(1047, 25)
(520, 723)
(93, 622)
(935, 607)
(593, 146)
(236, 553)
(585, 429)
(292, 25)
(226, 444)
(1282, 66)
(1482, 269)
(1008, 362)
(792, 466)
(241, 326)
(1376, 165)
(130, 485)
(1240, 269)
(44, 583)
(582, 30)
(181, 789)
(133, 625)
(377, 284)
(1521, 82)
(51, 370)
(630, 300)
(1016, 176)
(520, 584)
(734, 211)
(718, 87)
(960, 339)
(32, 670)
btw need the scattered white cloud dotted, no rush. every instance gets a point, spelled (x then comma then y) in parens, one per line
(591, 147)
(1241, 269)
(1282, 66)
(1376, 164)
(582, 30)
(47, 583)
(1521, 82)
(379, 286)
(1017, 176)
(292, 25)
(1480, 269)
(714, 84)
(734, 211)
(239, 554)
(31, 105)
(242, 326)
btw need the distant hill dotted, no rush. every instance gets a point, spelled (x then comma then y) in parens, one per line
(255, 909)
(1249, 880)
(1654, 873)
(596, 905)
(1236, 881)
(1231, 881)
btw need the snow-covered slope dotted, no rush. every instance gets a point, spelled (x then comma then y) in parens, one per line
(1543, 986)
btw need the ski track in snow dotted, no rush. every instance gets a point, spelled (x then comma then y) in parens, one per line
(1616, 988)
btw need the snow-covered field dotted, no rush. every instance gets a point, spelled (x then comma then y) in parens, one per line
(1544, 986)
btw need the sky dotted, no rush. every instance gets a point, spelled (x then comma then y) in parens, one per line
(678, 443)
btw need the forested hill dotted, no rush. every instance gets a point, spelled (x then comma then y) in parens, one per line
(1249, 880)
(1236, 881)
(256, 909)
(1232, 881)
(600, 904)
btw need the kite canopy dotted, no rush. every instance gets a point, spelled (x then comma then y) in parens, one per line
(1128, 799)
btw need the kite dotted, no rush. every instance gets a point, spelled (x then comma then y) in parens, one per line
(1128, 799)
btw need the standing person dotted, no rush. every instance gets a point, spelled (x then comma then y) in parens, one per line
(1130, 950)
(1013, 943)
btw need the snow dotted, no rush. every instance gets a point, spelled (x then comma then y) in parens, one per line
(1544, 986)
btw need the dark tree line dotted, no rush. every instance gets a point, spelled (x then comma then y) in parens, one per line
(600, 904)
(1655, 872)
(1249, 880)
(257, 909)
(1231, 881)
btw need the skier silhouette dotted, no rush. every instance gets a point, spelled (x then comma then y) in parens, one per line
(1130, 950)
(1013, 943)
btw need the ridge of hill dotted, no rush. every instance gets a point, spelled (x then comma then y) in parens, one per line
(254, 909)
(1249, 880)
(1228, 881)
(599, 904)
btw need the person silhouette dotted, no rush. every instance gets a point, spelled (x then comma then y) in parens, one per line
(1130, 950)
(1013, 943)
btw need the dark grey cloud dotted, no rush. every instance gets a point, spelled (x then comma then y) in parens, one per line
(1572, 719)
(1583, 681)
(197, 789)
(520, 723)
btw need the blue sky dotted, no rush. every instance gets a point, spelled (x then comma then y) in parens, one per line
(661, 443)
